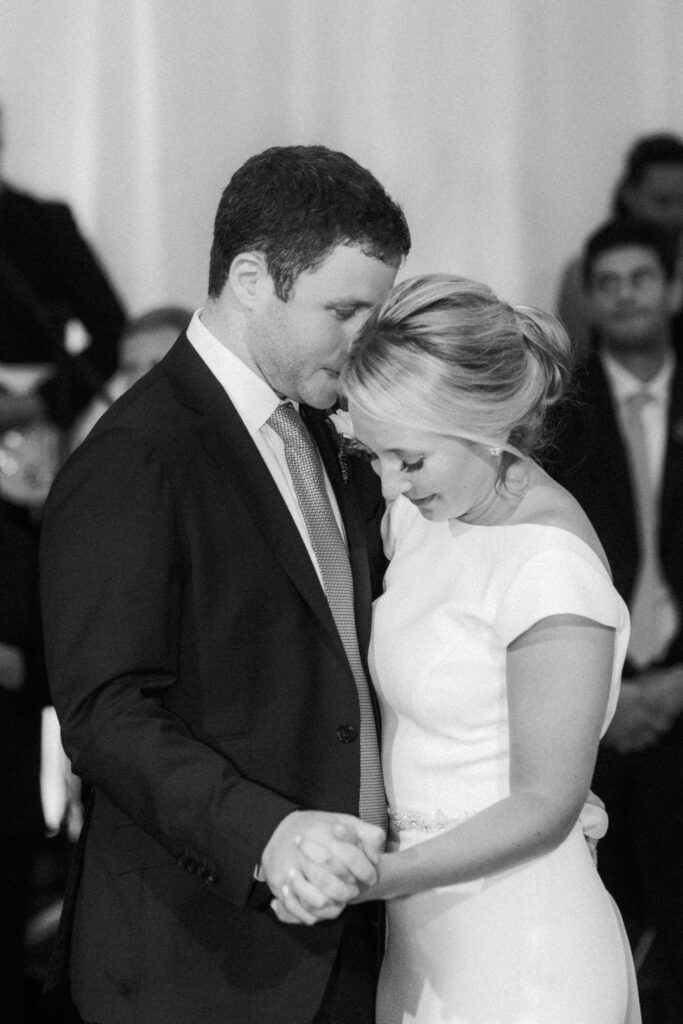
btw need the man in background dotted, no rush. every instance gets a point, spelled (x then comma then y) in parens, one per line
(650, 189)
(23, 692)
(145, 340)
(619, 450)
(54, 297)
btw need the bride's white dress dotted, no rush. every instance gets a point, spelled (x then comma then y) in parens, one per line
(541, 943)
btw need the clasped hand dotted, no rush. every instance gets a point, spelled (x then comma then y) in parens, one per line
(317, 862)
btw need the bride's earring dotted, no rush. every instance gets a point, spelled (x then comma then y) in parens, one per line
(495, 452)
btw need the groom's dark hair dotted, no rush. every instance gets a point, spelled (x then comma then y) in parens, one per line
(294, 204)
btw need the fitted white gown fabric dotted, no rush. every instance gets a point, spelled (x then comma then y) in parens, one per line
(541, 943)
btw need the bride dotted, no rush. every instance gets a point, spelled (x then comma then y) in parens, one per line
(496, 654)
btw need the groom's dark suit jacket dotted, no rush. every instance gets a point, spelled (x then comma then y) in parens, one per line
(204, 693)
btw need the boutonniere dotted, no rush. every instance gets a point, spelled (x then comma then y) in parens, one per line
(677, 431)
(341, 426)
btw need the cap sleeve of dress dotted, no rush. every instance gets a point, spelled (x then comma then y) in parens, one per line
(558, 581)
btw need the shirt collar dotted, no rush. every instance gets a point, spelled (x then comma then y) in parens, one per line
(624, 384)
(252, 396)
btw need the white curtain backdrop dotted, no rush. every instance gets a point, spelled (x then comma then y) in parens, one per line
(499, 125)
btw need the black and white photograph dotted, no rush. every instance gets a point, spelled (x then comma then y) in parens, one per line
(341, 512)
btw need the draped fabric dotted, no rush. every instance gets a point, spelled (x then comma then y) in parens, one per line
(500, 125)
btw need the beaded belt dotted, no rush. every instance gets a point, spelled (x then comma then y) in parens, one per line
(404, 821)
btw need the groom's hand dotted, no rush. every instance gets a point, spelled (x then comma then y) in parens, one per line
(316, 862)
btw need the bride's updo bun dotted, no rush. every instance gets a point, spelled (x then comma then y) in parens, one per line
(443, 353)
(550, 350)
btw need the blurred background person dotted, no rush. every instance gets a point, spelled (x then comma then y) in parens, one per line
(619, 450)
(651, 189)
(60, 321)
(23, 693)
(145, 340)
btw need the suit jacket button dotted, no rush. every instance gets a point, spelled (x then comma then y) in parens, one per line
(347, 733)
(211, 879)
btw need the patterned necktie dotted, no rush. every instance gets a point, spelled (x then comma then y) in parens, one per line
(303, 461)
(651, 611)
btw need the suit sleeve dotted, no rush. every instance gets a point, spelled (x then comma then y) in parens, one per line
(114, 575)
(88, 296)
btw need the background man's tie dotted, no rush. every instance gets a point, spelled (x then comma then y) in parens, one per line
(649, 628)
(303, 461)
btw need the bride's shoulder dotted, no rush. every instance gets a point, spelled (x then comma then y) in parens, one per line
(547, 503)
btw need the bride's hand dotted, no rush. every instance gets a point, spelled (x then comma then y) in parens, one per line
(316, 862)
(302, 906)
(386, 881)
(300, 902)
(325, 884)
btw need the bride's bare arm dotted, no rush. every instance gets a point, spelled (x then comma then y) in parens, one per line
(558, 679)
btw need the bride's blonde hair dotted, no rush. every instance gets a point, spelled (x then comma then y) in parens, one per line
(443, 353)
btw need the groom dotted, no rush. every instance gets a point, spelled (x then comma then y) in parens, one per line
(207, 581)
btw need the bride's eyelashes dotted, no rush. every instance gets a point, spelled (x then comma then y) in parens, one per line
(412, 467)
(405, 467)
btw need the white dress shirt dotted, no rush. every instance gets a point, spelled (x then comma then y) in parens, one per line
(623, 385)
(255, 401)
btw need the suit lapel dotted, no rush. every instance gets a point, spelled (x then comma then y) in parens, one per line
(225, 438)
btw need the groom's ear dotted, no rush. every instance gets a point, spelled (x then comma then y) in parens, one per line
(249, 279)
